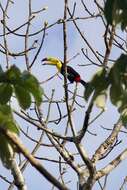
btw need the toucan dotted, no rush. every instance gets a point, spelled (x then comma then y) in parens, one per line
(72, 75)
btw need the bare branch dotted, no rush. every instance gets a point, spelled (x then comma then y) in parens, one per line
(14, 139)
(113, 164)
(104, 147)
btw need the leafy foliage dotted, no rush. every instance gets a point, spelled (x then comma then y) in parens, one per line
(100, 100)
(114, 81)
(31, 84)
(23, 96)
(97, 87)
(23, 84)
(115, 12)
(7, 121)
(5, 92)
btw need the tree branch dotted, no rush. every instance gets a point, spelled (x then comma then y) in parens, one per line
(113, 164)
(14, 139)
(105, 146)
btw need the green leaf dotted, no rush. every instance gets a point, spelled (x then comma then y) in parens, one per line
(118, 80)
(115, 95)
(118, 72)
(2, 76)
(97, 85)
(123, 99)
(5, 113)
(7, 148)
(13, 74)
(23, 96)
(115, 12)
(123, 13)
(12, 126)
(6, 151)
(24, 84)
(101, 99)
(5, 93)
(1, 70)
(88, 91)
(108, 11)
(32, 85)
(7, 120)
(100, 81)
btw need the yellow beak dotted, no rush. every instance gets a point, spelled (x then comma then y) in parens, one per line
(52, 61)
(47, 62)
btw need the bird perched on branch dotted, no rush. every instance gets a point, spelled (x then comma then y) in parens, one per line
(72, 75)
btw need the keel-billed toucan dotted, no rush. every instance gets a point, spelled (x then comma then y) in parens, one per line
(72, 75)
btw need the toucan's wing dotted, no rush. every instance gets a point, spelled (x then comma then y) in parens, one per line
(71, 71)
(72, 74)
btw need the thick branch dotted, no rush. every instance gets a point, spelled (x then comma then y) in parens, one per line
(18, 177)
(106, 170)
(105, 146)
(31, 159)
(86, 185)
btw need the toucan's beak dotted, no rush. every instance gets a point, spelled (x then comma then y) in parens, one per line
(45, 59)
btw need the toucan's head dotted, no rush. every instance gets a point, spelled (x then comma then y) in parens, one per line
(53, 61)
